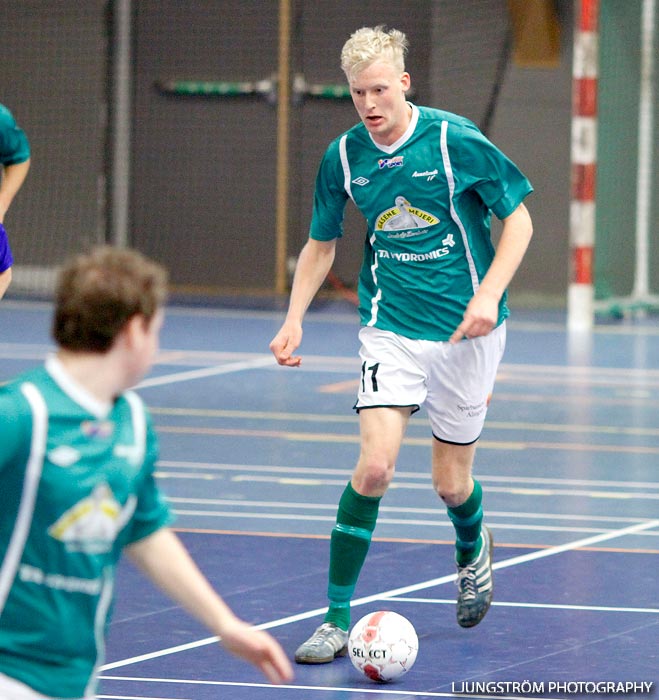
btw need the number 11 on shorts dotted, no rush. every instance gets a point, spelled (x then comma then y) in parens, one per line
(373, 369)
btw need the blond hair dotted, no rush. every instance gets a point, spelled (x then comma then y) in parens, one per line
(370, 44)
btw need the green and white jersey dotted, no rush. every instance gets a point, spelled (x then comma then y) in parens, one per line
(77, 486)
(427, 200)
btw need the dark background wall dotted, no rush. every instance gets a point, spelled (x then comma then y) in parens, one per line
(203, 175)
(53, 77)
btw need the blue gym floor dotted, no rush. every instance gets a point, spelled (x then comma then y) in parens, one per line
(254, 458)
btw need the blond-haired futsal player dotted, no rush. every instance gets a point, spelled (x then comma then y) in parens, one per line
(432, 302)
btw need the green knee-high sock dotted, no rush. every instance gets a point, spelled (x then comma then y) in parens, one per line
(351, 538)
(467, 519)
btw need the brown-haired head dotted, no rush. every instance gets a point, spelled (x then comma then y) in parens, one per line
(98, 292)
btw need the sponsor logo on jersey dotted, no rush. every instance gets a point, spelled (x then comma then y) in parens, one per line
(404, 216)
(400, 235)
(413, 257)
(428, 174)
(395, 162)
(97, 428)
(58, 582)
(92, 524)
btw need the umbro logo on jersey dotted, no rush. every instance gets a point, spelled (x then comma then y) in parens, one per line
(64, 456)
(361, 181)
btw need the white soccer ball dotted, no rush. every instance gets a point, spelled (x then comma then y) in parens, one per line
(383, 645)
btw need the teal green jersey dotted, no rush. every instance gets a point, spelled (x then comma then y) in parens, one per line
(77, 486)
(14, 146)
(427, 200)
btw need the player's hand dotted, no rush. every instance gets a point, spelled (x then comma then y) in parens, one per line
(479, 318)
(258, 648)
(285, 343)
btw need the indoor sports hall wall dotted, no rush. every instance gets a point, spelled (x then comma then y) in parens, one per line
(53, 75)
(203, 188)
(619, 155)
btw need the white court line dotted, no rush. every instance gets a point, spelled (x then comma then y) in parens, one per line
(540, 606)
(134, 697)
(402, 473)
(331, 508)
(416, 486)
(334, 689)
(408, 522)
(517, 322)
(514, 561)
(206, 372)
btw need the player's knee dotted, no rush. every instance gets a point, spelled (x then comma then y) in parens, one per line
(453, 493)
(373, 477)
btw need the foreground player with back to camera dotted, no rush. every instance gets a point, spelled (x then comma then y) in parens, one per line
(76, 465)
(15, 161)
(432, 303)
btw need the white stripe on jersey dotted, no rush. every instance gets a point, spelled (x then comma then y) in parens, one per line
(30, 486)
(100, 619)
(346, 166)
(448, 169)
(375, 301)
(135, 453)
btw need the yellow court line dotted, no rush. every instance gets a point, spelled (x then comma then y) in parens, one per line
(419, 442)
(646, 400)
(349, 418)
(350, 385)
(575, 428)
(405, 540)
(260, 415)
(520, 379)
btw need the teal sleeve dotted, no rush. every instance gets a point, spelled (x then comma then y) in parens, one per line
(14, 145)
(152, 511)
(330, 197)
(500, 184)
(15, 428)
(15, 437)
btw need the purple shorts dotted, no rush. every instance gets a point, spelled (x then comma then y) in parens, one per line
(6, 258)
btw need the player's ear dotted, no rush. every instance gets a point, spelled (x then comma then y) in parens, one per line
(134, 329)
(405, 81)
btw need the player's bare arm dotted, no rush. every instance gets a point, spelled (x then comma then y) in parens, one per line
(313, 265)
(164, 559)
(481, 313)
(258, 648)
(5, 281)
(13, 177)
